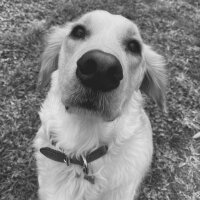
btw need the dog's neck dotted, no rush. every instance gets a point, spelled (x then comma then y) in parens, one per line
(78, 133)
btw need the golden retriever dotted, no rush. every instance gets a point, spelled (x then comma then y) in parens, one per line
(95, 140)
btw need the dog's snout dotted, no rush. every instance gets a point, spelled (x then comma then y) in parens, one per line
(99, 70)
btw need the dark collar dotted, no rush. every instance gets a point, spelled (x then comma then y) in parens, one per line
(82, 161)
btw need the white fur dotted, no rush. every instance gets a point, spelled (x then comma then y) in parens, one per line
(129, 138)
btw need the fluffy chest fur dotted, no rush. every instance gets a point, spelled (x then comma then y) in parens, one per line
(129, 139)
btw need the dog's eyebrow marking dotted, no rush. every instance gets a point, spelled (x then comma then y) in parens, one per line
(77, 24)
(131, 32)
(84, 21)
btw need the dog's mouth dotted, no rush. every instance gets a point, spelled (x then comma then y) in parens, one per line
(87, 105)
(92, 103)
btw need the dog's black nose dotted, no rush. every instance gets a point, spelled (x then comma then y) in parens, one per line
(99, 70)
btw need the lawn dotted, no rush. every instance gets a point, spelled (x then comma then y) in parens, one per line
(171, 26)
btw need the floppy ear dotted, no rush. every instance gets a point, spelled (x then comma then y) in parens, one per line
(50, 55)
(154, 81)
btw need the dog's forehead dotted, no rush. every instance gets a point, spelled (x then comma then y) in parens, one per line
(102, 19)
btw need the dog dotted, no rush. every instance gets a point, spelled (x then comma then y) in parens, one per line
(95, 140)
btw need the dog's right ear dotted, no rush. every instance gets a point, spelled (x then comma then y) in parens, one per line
(155, 78)
(50, 55)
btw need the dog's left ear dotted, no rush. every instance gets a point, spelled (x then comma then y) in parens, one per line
(50, 55)
(155, 78)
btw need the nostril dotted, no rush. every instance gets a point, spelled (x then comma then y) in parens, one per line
(88, 68)
(115, 73)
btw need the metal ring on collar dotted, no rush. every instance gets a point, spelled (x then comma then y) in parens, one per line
(67, 161)
(85, 165)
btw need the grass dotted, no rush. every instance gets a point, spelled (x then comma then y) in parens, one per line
(171, 26)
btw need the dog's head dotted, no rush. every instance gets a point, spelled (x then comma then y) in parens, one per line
(101, 60)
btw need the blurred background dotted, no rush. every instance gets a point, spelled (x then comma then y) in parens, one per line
(172, 27)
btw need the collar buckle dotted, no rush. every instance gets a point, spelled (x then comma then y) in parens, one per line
(85, 165)
(67, 161)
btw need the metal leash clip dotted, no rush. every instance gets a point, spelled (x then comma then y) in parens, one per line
(85, 165)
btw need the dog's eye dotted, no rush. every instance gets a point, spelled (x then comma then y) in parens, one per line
(134, 46)
(78, 32)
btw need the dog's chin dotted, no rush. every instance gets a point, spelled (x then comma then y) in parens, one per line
(89, 103)
(86, 109)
